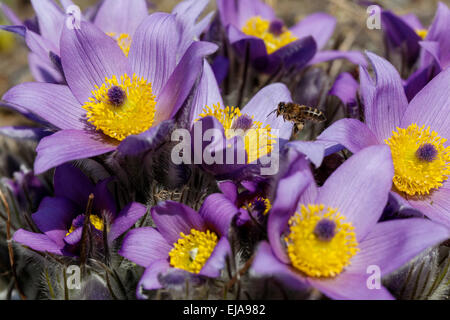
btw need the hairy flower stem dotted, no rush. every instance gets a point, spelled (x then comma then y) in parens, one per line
(86, 234)
(10, 248)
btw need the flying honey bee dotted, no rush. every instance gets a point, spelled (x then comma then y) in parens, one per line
(298, 114)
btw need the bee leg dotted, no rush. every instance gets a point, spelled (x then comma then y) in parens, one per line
(299, 126)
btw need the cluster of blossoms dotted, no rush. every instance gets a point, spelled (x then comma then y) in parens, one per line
(169, 163)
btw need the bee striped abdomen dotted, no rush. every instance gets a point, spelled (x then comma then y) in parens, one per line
(312, 114)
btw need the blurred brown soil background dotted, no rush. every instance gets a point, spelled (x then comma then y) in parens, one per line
(351, 31)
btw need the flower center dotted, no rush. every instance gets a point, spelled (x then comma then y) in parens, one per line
(123, 41)
(259, 205)
(120, 108)
(421, 161)
(422, 33)
(78, 222)
(116, 96)
(274, 34)
(325, 230)
(258, 139)
(191, 251)
(320, 243)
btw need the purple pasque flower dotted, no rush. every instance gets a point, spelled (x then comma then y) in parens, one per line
(60, 218)
(252, 135)
(252, 24)
(346, 89)
(252, 203)
(417, 134)
(152, 84)
(26, 188)
(430, 47)
(119, 19)
(183, 239)
(329, 238)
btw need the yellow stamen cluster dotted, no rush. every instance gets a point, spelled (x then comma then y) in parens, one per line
(413, 175)
(134, 116)
(316, 257)
(123, 41)
(260, 28)
(258, 140)
(422, 33)
(192, 251)
(96, 221)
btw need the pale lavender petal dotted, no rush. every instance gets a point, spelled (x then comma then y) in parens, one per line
(266, 101)
(266, 264)
(190, 9)
(68, 145)
(293, 183)
(152, 53)
(391, 244)
(384, 98)
(350, 133)
(216, 262)
(40, 45)
(438, 32)
(183, 78)
(218, 212)
(88, 55)
(66, 3)
(436, 205)
(43, 70)
(149, 280)
(126, 219)
(206, 94)
(37, 241)
(313, 151)
(51, 102)
(172, 218)
(121, 16)
(350, 286)
(148, 140)
(345, 88)
(431, 106)
(51, 19)
(54, 218)
(433, 49)
(359, 188)
(144, 246)
(187, 12)
(318, 25)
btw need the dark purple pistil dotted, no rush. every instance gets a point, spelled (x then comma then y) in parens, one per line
(259, 205)
(244, 122)
(325, 230)
(427, 152)
(116, 96)
(276, 27)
